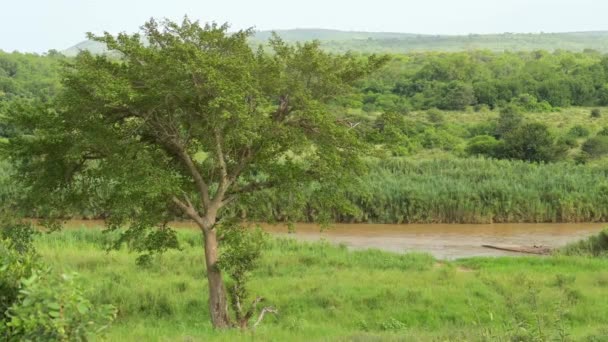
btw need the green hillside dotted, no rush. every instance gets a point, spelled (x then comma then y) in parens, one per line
(390, 42)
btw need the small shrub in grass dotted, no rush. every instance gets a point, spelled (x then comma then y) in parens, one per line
(532, 142)
(241, 252)
(484, 108)
(596, 246)
(484, 145)
(578, 131)
(581, 158)
(603, 132)
(596, 113)
(568, 141)
(508, 120)
(435, 116)
(596, 146)
(39, 305)
(14, 266)
(393, 325)
(53, 308)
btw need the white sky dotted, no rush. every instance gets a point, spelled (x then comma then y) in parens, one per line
(40, 25)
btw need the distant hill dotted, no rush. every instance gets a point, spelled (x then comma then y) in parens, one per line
(390, 42)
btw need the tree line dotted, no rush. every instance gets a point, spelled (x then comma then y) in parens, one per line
(535, 81)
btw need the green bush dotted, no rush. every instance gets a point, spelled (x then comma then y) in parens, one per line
(596, 146)
(483, 108)
(484, 145)
(508, 120)
(39, 305)
(578, 131)
(14, 266)
(240, 254)
(603, 132)
(530, 104)
(532, 142)
(596, 113)
(20, 234)
(595, 246)
(8, 189)
(569, 141)
(456, 95)
(53, 308)
(438, 138)
(435, 116)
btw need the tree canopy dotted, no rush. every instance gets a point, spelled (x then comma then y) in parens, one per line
(188, 120)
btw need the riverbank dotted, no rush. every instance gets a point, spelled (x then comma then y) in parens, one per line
(442, 241)
(326, 292)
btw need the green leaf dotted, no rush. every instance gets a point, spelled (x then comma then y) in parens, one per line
(82, 308)
(54, 306)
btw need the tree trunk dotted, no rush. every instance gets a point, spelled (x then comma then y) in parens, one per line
(218, 305)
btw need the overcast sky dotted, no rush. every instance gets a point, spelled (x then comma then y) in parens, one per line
(40, 25)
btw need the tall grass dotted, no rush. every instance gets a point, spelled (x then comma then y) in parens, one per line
(595, 246)
(472, 190)
(326, 292)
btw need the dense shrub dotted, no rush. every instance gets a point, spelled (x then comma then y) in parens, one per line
(532, 142)
(508, 120)
(456, 96)
(485, 145)
(239, 256)
(437, 138)
(14, 267)
(578, 131)
(8, 189)
(596, 113)
(435, 116)
(52, 307)
(530, 104)
(603, 131)
(568, 141)
(38, 305)
(20, 234)
(596, 146)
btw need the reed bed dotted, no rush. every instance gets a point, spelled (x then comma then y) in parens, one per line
(452, 190)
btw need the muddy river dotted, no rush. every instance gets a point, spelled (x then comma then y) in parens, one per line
(445, 241)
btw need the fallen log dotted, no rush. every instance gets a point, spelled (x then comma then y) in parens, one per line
(540, 250)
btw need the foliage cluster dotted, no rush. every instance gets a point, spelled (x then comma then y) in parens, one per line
(240, 254)
(38, 304)
(535, 81)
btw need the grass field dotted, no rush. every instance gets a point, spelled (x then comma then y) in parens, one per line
(326, 292)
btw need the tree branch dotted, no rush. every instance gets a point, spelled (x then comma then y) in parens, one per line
(252, 308)
(265, 310)
(283, 109)
(189, 210)
(220, 156)
(252, 187)
(202, 186)
(225, 181)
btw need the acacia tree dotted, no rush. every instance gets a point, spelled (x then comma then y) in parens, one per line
(187, 118)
